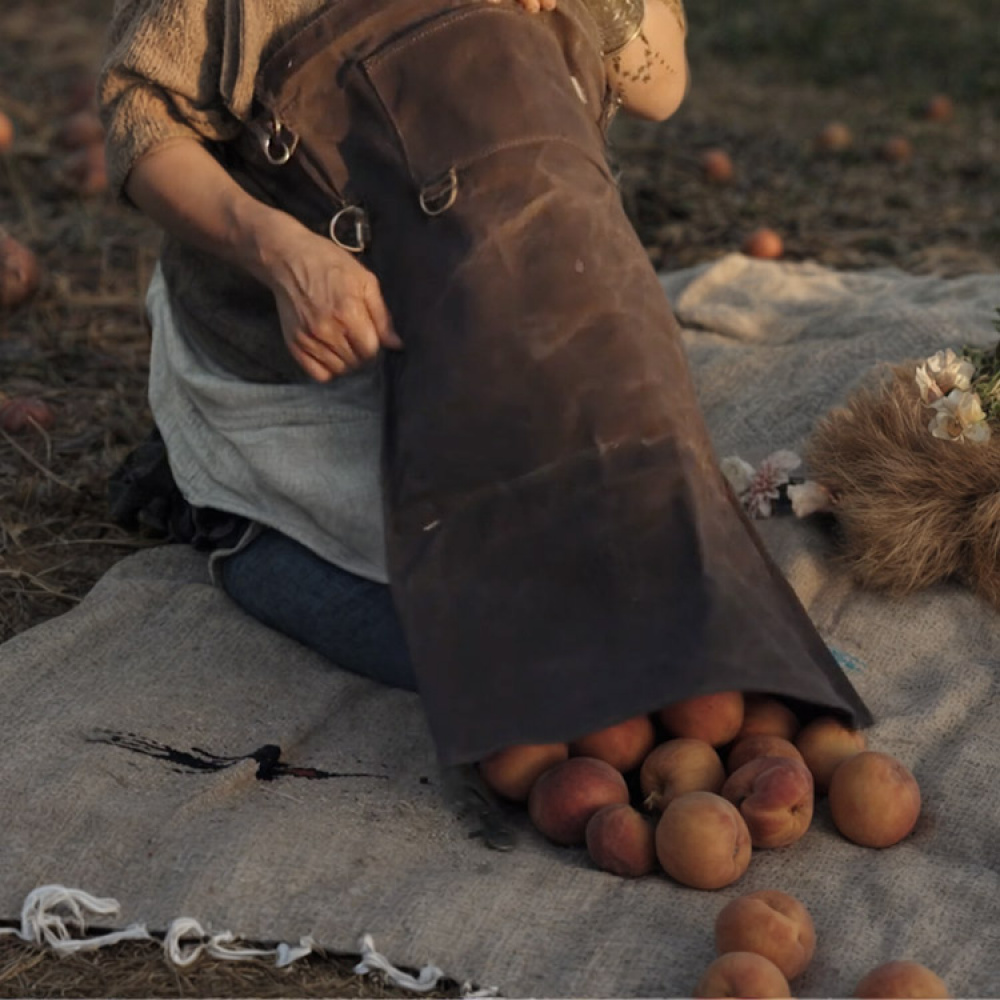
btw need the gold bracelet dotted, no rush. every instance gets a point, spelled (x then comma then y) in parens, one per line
(618, 21)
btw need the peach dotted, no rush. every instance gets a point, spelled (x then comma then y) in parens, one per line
(874, 799)
(746, 748)
(512, 771)
(775, 797)
(679, 766)
(6, 133)
(621, 840)
(742, 974)
(764, 243)
(824, 743)
(717, 165)
(714, 718)
(80, 129)
(897, 149)
(702, 841)
(85, 170)
(902, 979)
(624, 745)
(19, 272)
(565, 796)
(940, 108)
(769, 923)
(834, 137)
(21, 413)
(764, 715)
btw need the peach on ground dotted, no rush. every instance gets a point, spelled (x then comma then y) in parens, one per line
(901, 979)
(6, 133)
(702, 841)
(678, 766)
(826, 742)
(764, 243)
(742, 974)
(20, 272)
(770, 923)
(624, 745)
(874, 799)
(897, 149)
(765, 715)
(564, 797)
(621, 840)
(717, 165)
(834, 137)
(775, 797)
(746, 748)
(714, 718)
(512, 771)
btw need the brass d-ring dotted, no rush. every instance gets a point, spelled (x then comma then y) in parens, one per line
(440, 194)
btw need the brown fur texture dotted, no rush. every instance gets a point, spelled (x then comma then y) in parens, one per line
(913, 509)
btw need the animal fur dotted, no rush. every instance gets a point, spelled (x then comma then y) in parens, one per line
(913, 509)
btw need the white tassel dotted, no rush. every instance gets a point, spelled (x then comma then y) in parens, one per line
(372, 961)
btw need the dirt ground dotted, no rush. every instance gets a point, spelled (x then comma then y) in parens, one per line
(766, 78)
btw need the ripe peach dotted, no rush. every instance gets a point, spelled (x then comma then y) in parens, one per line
(742, 974)
(746, 748)
(512, 771)
(834, 137)
(824, 743)
(21, 413)
(764, 715)
(565, 796)
(763, 243)
(19, 272)
(897, 149)
(623, 746)
(717, 165)
(80, 129)
(714, 718)
(621, 840)
(902, 979)
(769, 923)
(6, 133)
(775, 797)
(874, 799)
(702, 841)
(679, 766)
(940, 108)
(85, 170)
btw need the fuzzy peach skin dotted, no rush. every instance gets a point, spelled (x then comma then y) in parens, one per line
(742, 974)
(512, 771)
(714, 718)
(746, 748)
(824, 743)
(624, 746)
(765, 715)
(902, 979)
(565, 796)
(702, 841)
(874, 799)
(769, 923)
(775, 797)
(621, 840)
(679, 766)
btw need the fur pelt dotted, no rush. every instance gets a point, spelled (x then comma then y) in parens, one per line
(913, 509)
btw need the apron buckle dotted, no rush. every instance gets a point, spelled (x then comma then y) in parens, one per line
(277, 142)
(439, 195)
(349, 229)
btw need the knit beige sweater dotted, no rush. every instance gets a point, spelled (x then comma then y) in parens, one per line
(179, 69)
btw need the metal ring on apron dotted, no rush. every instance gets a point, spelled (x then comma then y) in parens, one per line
(440, 194)
(357, 236)
(277, 142)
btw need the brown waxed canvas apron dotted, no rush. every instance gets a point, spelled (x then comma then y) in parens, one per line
(563, 550)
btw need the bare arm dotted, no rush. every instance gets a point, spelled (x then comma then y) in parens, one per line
(332, 314)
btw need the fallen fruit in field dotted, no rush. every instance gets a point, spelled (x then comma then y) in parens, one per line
(19, 272)
(826, 742)
(746, 748)
(897, 149)
(834, 137)
(775, 797)
(702, 841)
(764, 715)
(83, 128)
(902, 979)
(565, 796)
(621, 840)
(714, 718)
(21, 413)
(742, 974)
(874, 799)
(764, 243)
(512, 771)
(717, 165)
(85, 170)
(676, 767)
(623, 746)
(6, 133)
(768, 923)
(940, 108)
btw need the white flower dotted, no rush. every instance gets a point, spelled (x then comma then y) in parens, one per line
(810, 497)
(767, 481)
(738, 473)
(960, 417)
(943, 372)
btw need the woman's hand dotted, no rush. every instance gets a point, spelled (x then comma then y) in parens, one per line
(534, 6)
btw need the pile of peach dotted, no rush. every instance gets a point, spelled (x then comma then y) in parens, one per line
(697, 817)
(765, 939)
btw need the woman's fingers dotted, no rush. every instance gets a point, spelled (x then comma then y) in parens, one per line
(379, 313)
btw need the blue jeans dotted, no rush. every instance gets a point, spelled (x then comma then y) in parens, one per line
(348, 619)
